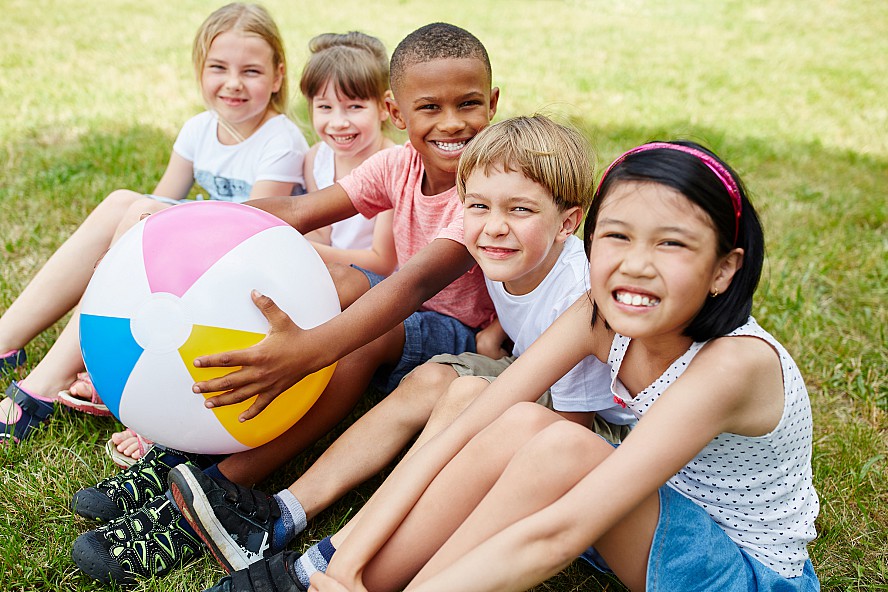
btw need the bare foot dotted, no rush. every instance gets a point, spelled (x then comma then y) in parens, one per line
(130, 444)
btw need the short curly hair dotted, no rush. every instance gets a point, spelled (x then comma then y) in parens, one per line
(436, 41)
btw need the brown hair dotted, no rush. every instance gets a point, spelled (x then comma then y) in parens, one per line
(356, 63)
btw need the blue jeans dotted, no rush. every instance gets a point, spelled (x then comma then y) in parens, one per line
(426, 334)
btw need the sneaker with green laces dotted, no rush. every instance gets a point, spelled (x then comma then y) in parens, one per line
(130, 489)
(148, 542)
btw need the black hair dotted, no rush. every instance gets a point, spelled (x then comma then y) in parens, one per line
(688, 175)
(434, 42)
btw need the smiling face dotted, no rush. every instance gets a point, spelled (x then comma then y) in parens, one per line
(352, 127)
(443, 104)
(653, 260)
(238, 79)
(513, 228)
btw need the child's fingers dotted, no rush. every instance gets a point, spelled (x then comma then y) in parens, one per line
(262, 401)
(231, 397)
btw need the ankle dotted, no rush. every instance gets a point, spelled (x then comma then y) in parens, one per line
(28, 386)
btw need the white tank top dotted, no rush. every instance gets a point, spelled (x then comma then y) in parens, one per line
(352, 233)
(758, 489)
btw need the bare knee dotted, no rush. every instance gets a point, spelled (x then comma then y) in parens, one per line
(350, 283)
(459, 395)
(526, 417)
(122, 198)
(140, 207)
(117, 203)
(573, 445)
(424, 386)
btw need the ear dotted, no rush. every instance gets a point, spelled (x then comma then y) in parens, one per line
(395, 112)
(494, 100)
(570, 221)
(728, 267)
(383, 105)
(279, 78)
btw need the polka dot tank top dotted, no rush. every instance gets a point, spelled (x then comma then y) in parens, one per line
(758, 489)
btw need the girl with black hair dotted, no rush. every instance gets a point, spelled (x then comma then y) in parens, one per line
(712, 489)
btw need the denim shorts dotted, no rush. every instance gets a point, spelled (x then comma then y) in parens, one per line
(426, 334)
(691, 552)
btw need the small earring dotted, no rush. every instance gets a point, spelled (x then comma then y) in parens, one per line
(713, 294)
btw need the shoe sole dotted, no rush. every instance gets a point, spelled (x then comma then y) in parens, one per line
(196, 509)
(82, 405)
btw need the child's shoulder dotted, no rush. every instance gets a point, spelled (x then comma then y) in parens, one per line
(280, 127)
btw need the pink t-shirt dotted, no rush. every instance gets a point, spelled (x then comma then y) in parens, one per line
(392, 180)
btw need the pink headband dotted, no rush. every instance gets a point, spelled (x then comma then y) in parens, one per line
(715, 166)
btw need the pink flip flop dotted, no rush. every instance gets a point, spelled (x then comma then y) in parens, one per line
(122, 460)
(93, 405)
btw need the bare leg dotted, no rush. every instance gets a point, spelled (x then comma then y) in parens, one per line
(555, 456)
(60, 283)
(374, 441)
(59, 366)
(452, 496)
(459, 395)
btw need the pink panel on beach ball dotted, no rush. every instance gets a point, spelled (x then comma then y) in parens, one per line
(175, 257)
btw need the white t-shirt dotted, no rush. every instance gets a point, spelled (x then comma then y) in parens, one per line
(352, 233)
(524, 318)
(758, 489)
(273, 153)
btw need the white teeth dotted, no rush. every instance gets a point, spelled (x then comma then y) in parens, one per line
(636, 299)
(450, 146)
(343, 139)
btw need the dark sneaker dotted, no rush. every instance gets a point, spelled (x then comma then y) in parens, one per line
(131, 488)
(150, 541)
(235, 522)
(273, 575)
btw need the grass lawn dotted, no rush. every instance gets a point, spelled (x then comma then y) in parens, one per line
(791, 93)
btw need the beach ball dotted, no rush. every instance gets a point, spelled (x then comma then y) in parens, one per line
(177, 286)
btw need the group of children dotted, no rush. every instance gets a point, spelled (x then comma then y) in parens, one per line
(530, 363)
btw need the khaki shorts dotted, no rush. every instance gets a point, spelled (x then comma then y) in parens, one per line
(471, 364)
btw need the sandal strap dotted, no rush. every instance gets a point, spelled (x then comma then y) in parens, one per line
(40, 410)
(85, 379)
(13, 359)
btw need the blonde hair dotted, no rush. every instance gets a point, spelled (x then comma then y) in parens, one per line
(247, 19)
(555, 156)
(356, 64)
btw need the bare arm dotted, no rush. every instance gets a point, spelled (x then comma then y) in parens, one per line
(288, 354)
(489, 340)
(311, 211)
(319, 235)
(379, 258)
(177, 178)
(271, 188)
